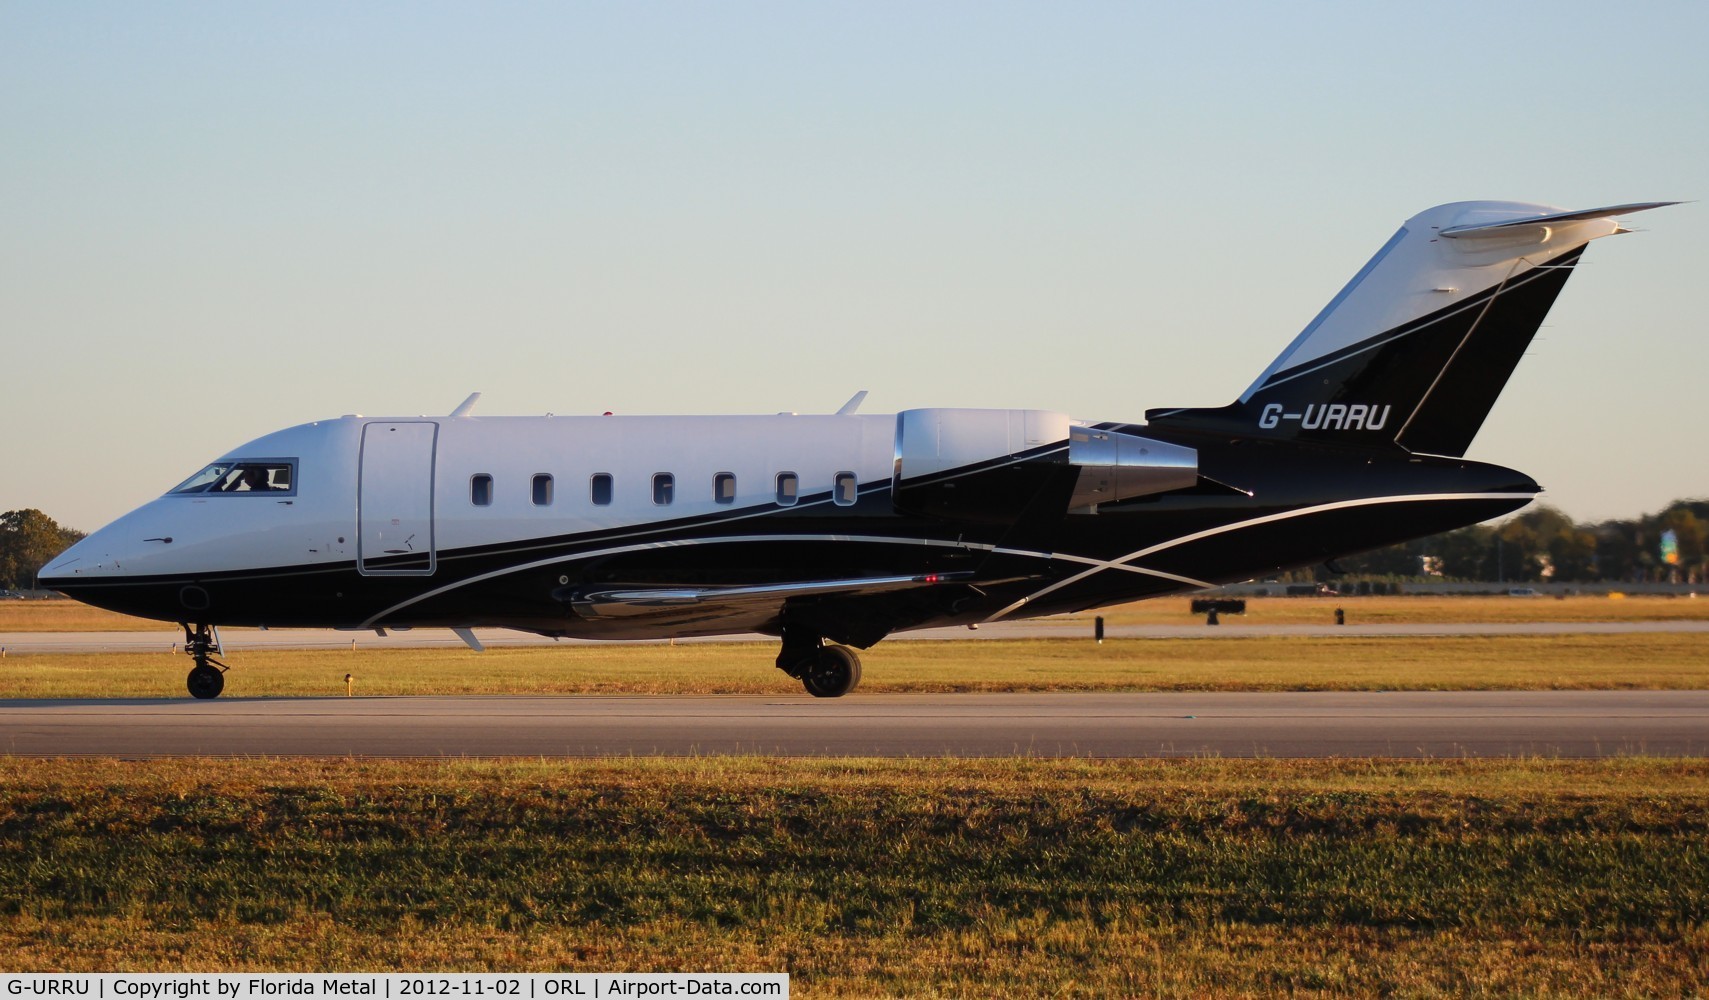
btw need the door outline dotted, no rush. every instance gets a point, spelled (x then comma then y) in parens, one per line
(415, 475)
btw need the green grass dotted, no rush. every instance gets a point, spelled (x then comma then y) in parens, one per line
(1659, 661)
(861, 878)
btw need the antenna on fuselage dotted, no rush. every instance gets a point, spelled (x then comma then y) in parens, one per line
(467, 407)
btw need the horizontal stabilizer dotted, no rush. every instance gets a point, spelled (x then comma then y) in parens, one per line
(1552, 219)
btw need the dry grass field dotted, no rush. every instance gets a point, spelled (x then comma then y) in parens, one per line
(67, 616)
(1225, 663)
(861, 878)
(71, 616)
(1224, 660)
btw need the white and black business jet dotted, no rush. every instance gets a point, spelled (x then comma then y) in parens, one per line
(847, 527)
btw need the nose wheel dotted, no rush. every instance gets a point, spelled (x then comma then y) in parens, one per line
(205, 682)
(207, 677)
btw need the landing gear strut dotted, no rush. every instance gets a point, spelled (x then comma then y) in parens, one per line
(207, 677)
(825, 671)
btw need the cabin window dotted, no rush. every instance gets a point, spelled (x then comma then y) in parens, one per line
(274, 477)
(542, 490)
(599, 488)
(788, 489)
(481, 489)
(845, 490)
(724, 487)
(664, 484)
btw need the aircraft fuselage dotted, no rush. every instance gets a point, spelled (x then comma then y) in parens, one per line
(519, 521)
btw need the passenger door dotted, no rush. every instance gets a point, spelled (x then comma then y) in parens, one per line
(394, 499)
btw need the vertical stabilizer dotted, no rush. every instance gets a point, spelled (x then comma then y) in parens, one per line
(1415, 350)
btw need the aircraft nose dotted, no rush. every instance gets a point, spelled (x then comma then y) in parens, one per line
(141, 543)
(114, 569)
(90, 558)
(60, 566)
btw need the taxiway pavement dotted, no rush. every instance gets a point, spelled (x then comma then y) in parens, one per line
(1287, 724)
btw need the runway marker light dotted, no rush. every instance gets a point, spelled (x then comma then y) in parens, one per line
(349, 685)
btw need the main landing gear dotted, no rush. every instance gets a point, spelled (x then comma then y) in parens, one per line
(825, 671)
(207, 677)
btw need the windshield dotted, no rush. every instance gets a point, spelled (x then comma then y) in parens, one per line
(274, 476)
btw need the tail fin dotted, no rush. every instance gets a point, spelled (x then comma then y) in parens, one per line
(1415, 350)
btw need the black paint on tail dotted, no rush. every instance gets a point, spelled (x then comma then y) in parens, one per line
(1424, 386)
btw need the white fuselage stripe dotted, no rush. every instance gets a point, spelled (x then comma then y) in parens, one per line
(1094, 566)
(735, 539)
(1122, 562)
(675, 543)
(1100, 564)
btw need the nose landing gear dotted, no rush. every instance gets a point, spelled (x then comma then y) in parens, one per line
(207, 677)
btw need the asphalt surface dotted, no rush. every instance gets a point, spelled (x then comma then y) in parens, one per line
(1290, 724)
(240, 639)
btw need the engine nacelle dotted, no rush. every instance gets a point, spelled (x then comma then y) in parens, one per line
(935, 441)
(977, 465)
(1116, 466)
(989, 465)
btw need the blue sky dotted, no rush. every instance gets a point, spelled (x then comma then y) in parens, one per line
(217, 220)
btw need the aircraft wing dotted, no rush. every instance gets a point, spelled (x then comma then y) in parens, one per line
(690, 605)
(670, 600)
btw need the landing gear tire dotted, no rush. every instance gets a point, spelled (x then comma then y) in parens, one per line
(833, 672)
(207, 677)
(206, 682)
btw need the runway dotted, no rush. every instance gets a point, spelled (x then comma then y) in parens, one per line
(246, 639)
(1290, 724)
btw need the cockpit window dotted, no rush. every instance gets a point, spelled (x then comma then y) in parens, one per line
(274, 477)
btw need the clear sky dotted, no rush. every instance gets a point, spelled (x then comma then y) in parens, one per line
(220, 219)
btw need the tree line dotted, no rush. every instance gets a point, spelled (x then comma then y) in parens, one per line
(1538, 546)
(1546, 546)
(28, 540)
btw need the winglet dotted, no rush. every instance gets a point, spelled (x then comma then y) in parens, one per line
(467, 407)
(853, 404)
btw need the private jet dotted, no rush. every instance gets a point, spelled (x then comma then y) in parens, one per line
(832, 531)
